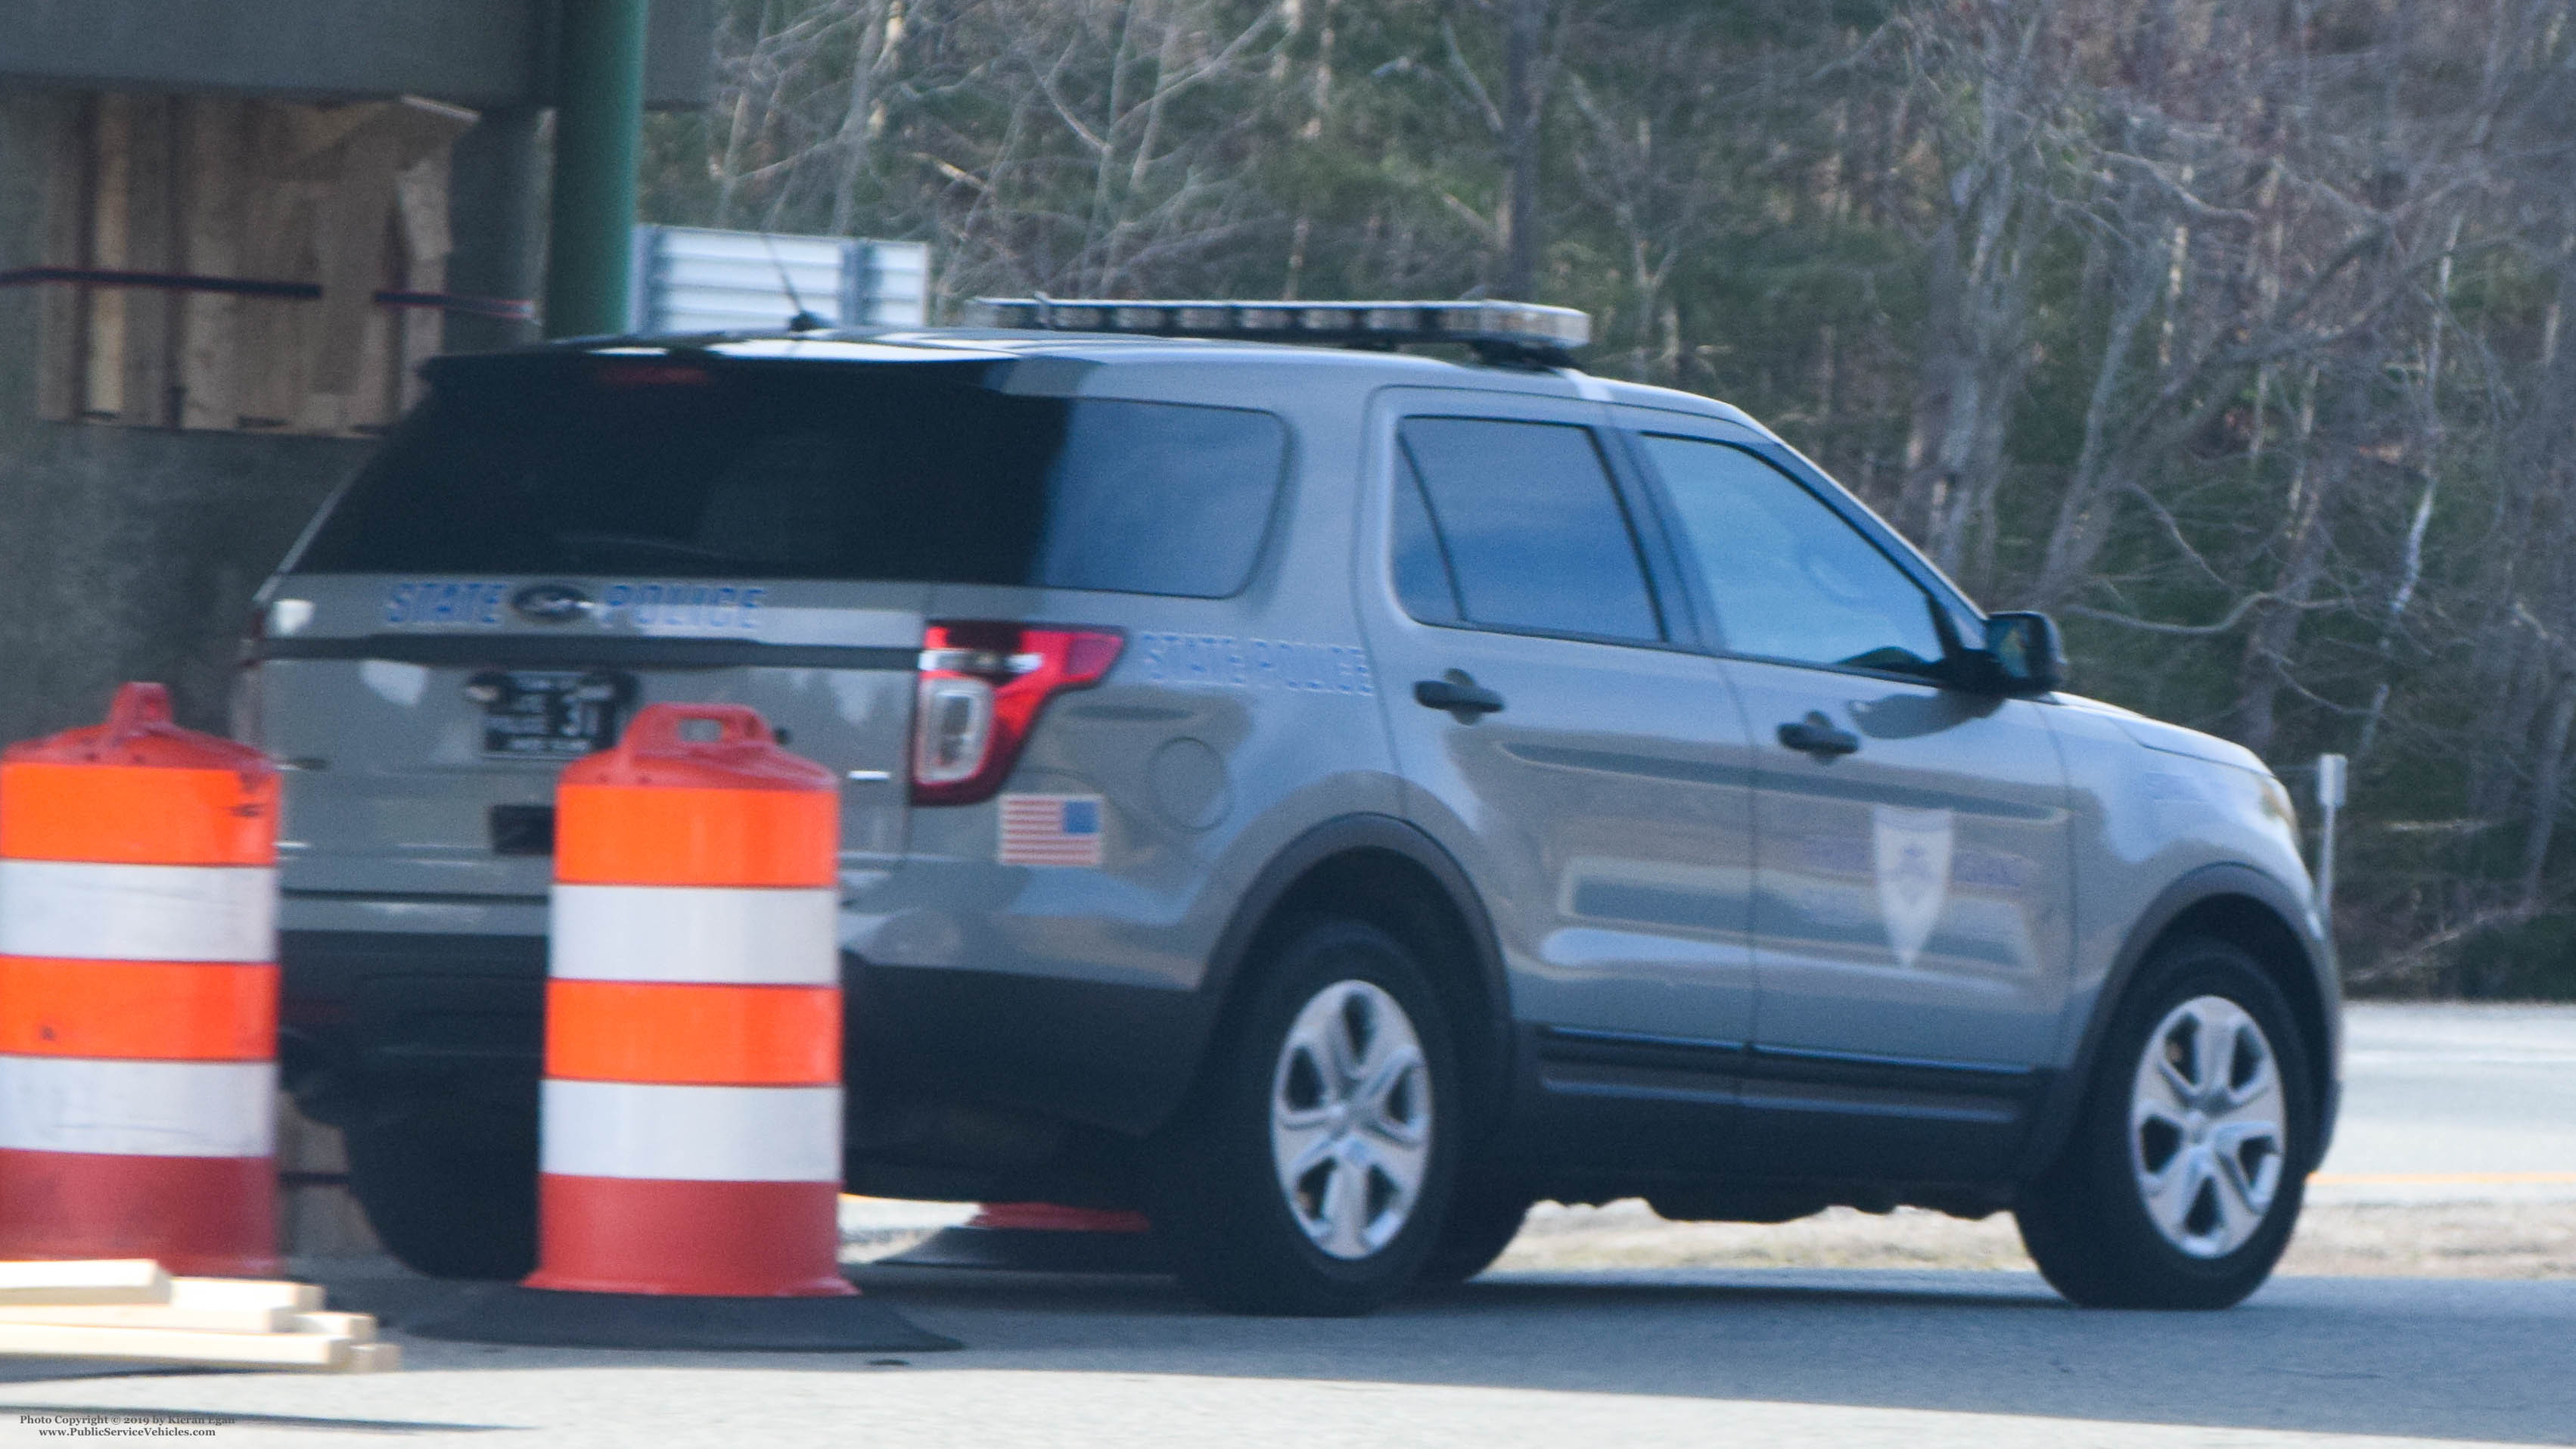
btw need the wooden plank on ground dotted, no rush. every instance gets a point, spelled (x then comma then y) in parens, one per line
(171, 1345)
(85, 1280)
(164, 1315)
(245, 1293)
(355, 1327)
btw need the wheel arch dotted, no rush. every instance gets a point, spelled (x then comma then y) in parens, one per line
(1388, 872)
(2249, 909)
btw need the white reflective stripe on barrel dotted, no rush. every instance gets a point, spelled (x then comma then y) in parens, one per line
(725, 935)
(138, 912)
(690, 1134)
(138, 1109)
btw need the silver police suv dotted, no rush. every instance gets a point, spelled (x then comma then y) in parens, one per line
(1327, 797)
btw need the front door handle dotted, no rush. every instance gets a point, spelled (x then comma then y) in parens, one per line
(1456, 692)
(1816, 735)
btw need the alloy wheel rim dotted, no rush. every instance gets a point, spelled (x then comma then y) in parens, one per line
(2208, 1135)
(1350, 1119)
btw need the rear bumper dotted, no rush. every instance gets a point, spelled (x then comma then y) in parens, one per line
(370, 1015)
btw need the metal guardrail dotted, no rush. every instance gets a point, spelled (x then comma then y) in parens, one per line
(697, 279)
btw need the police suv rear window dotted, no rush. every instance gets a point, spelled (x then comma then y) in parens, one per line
(809, 471)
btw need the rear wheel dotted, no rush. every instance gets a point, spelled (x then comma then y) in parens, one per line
(451, 1195)
(1311, 1175)
(2184, 1177)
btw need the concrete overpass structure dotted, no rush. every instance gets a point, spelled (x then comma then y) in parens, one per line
(228, 230)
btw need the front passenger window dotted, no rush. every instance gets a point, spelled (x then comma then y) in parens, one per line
(1422, 577)
(1789, 578)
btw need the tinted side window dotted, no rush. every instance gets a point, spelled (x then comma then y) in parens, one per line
(1422, 578)
(1532, 527)
(1789, 578)
(1155, 498)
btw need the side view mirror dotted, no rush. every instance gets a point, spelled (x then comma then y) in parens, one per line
(2028, 656)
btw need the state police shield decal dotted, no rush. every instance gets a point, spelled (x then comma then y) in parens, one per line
(1913, 850)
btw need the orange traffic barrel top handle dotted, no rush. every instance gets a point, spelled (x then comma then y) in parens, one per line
(662, 808)
(740, 754)
(139, 732)
(138, 789)
(657, 730)
(136, 706)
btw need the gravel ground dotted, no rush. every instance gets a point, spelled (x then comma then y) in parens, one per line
(2455, 1158)
(2410, 1240)
(2530, 1239)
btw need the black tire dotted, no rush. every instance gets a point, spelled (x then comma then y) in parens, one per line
(450, 1195)
(1481, 1224)
(2086, 1220)
(1221, 1207)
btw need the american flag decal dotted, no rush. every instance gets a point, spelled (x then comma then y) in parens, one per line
(1051, 830)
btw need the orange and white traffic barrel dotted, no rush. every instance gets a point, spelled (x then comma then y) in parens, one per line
(690, 1137)
(689, 1142)
(138, 995)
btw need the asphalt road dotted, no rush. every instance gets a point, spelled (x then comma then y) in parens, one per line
(2455, 1102)
(1777, 1358)
(2443, 1101)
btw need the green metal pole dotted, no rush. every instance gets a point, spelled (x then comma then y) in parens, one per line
(599, 116)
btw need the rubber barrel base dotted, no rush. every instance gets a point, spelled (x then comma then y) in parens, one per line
(662, 1238)
(1033, 1250)
(551, 1318)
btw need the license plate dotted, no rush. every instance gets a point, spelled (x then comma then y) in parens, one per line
(548, 714)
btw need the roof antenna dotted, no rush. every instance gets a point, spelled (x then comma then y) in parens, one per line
(803, 321)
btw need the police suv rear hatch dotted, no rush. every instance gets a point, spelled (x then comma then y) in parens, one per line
(558, 538)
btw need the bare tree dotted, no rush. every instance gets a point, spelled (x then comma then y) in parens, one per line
(2229, 329)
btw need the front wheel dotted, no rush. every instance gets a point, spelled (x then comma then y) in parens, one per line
(1482, 1223)
(2184, 1177)
(1312, 1173)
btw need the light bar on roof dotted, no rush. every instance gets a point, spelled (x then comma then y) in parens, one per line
(1511, 325)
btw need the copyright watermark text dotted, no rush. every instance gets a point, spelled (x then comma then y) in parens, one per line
(121, 1424)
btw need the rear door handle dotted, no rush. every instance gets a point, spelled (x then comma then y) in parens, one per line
(1458, 693)
(1816, 735)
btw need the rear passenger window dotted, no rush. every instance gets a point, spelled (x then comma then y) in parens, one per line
(1532, 530)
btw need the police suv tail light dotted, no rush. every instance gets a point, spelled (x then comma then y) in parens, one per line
(983, 685)
(952, 729)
